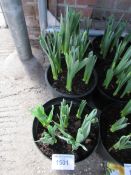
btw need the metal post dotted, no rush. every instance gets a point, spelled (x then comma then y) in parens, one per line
(16, 22)
(42, 7)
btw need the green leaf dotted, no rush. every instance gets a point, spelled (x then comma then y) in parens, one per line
(109, 76)
(39, 113)
(81, 108)
(127, 89)
(47, 139)
(123, 143)
(84, 130)
(126, 110)
(89, 67)
(119, 124)
(64, 114)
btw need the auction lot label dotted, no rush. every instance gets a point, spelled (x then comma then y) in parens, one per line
(63, 162)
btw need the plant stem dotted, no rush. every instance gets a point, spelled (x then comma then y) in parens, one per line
(69, 82)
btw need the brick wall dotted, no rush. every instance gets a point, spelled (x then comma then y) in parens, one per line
(99, 10)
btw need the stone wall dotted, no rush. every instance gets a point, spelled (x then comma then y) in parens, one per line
(99, 10)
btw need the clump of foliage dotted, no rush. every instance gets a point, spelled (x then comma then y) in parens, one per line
(74, 65)
(40, 114)
(125, 141)
(119, 124)
(81, 42)
(120, 69)
(54, 130)
(83, 132)
(111, 35)
(81, 108)
(73, 44)
(69, 27)
(64, 114)
(45, 119)
(50, 44)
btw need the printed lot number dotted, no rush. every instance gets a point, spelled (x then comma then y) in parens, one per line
(63, 162)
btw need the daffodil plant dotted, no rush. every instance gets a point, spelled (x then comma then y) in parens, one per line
(55, 130)
(125, 141)
(119, 124)
(69, 27)
(50, 44)
(111, 35)
(73, 44)
(120, 69)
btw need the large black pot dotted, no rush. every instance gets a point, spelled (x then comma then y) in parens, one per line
(56, 93)
(47, 107)
(104, 118)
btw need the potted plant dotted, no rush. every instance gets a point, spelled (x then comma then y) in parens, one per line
(71, 73)
(66, 126)
(114, 83)
(115, 127)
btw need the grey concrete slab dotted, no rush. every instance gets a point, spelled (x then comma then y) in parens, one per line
(6, 43)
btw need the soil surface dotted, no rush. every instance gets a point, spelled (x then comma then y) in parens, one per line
(109, 117)
(61, 147)
(78, 85)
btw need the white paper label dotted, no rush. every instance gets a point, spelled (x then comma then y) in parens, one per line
(63, 162)
(115, 172)
(127, 168)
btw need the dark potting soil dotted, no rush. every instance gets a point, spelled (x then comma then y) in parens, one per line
(78, 85)
(109, 117)
(61, 147)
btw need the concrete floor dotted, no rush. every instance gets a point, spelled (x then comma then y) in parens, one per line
(22, 86)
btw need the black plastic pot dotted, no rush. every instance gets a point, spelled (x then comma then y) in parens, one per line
(102, 99)
(47, 106)
(102, 150)
(56, 93)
